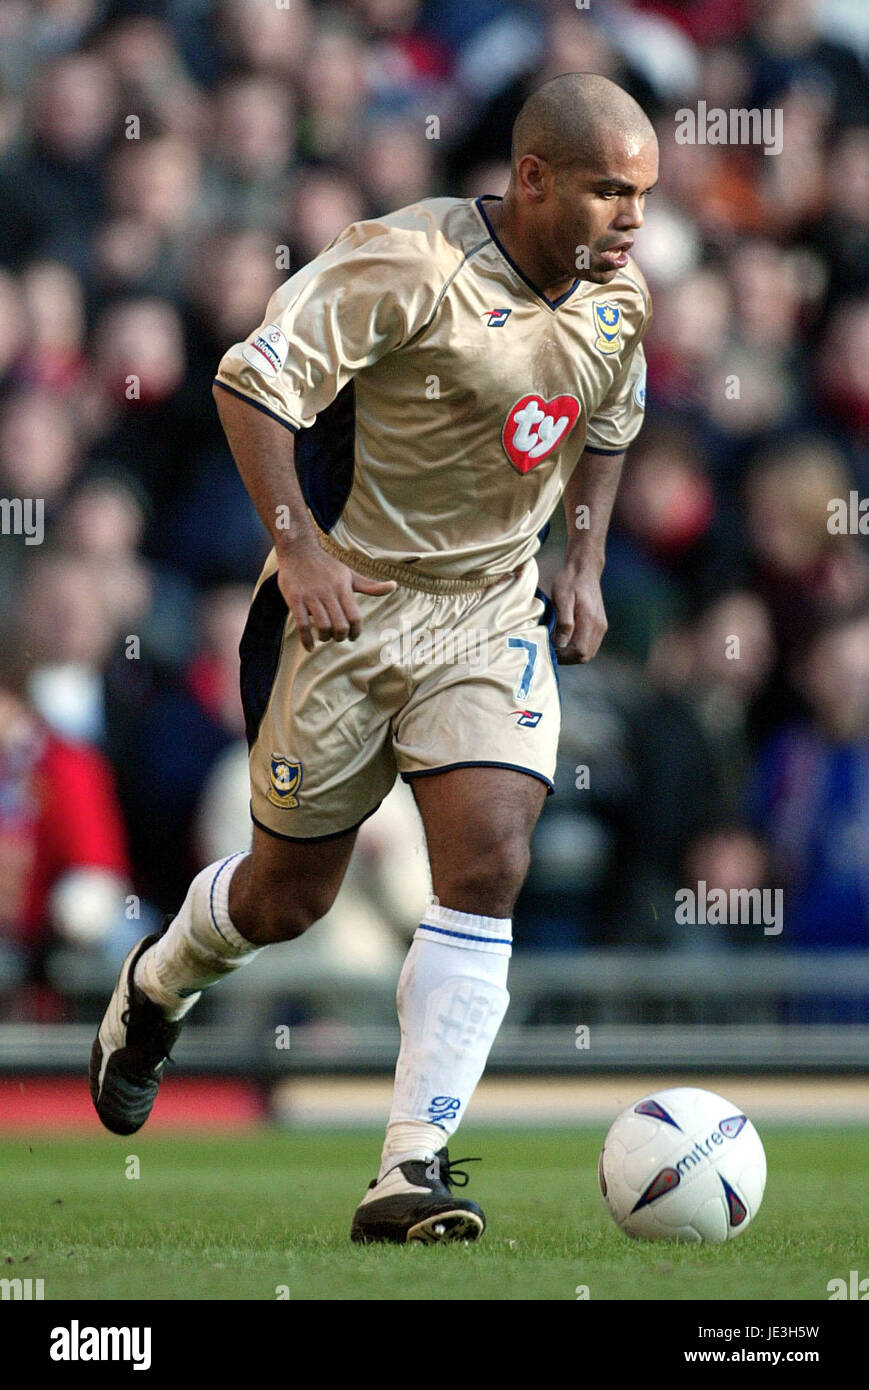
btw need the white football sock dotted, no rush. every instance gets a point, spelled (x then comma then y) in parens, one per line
(452, 998)
(200, 946)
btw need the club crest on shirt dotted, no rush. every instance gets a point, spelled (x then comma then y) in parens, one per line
(285, 778)
(535, 427)
(267, 350)
(608, 322)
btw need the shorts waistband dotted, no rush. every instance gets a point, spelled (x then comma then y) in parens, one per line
(409, 576)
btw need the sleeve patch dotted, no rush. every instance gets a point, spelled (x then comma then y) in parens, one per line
(267, 351)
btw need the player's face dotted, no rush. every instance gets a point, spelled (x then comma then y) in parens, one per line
(595, 212)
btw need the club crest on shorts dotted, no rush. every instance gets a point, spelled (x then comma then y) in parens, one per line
(285, 778)
(608, 322)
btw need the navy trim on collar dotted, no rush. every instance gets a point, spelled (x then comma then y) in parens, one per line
(550, 303)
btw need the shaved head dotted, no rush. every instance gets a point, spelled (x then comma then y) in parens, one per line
(584, 158)
(578, 119)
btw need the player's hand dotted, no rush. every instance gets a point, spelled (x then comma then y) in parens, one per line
(581, 621)
(320, 593)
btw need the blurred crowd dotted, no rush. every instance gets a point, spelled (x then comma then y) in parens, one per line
(164, 165)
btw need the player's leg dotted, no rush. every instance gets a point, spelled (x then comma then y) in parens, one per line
(478, 741)
(235, 907)
(320, 762)
(452, 995)
(478, 825)
(232, 909)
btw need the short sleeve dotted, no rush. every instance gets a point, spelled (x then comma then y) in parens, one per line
(620, 418)
(366, 295)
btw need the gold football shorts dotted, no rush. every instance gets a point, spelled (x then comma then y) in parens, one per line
(435, 681)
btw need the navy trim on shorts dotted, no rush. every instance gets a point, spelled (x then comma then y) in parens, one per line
(313, 839)
(549, 620)
(260, 653)
(609, 453)
(473, 762)
(256, 405)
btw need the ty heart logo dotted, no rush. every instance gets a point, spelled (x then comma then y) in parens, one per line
(535, 427)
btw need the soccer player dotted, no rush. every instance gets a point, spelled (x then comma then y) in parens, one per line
(440, 377)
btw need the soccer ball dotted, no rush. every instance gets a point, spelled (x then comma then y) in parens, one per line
(682, 1164)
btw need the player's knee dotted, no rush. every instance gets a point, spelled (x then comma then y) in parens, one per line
(487, 881)
(285, 916)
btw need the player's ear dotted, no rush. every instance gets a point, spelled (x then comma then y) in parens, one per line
(535, 176)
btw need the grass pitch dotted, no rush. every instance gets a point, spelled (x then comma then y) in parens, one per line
(243, 1217)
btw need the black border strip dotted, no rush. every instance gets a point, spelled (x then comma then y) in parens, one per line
(312, 839)
(256, 405)
(453, 767)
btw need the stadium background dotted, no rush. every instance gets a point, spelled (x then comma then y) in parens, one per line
(133, 251)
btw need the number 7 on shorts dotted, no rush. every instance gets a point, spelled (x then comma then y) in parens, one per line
(524, 686)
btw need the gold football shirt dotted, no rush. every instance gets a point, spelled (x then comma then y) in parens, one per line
(440, 400)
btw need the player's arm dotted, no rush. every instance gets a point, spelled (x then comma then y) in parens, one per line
(588, 505)
(319, 590)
